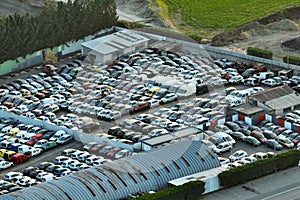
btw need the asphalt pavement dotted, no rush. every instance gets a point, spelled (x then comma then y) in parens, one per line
(277, 186)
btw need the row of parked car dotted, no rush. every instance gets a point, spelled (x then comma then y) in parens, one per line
(266, 133)
(241, 157)
(19, 142)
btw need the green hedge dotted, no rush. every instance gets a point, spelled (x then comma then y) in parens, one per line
(239, 175)
(292, 60)
(191, 190)
(253, 51)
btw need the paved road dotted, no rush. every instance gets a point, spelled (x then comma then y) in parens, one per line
(45, 156)
(278, 186)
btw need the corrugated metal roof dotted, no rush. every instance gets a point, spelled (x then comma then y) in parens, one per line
(284, 102)
(168, 137)
(142, 172)
(272, 93)
(115, 42)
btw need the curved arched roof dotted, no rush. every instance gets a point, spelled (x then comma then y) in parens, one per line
(116, 180)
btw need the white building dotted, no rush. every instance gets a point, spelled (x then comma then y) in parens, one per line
(110, 47)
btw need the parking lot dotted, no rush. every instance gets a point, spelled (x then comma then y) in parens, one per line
(146, 94)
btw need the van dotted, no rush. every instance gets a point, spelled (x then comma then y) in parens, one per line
(220, 137)
(15, 146)
(5, 144)
(263, 75)
(202, 88)
(8, 155)
(2, 151)
(47, 177)
(40, 143)
(287, 73)
(24, 149)
(58, 135)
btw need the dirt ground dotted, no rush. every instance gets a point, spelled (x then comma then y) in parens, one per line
(268, 33)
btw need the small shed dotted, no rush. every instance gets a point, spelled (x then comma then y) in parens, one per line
(110, 47)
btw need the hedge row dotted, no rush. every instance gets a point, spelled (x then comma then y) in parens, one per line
(191, 190)
(253, 51)
(292, 60)
(240, 175)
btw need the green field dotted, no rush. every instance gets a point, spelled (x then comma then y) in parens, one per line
(217, 15)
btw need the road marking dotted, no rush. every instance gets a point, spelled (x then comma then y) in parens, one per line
(280, 193)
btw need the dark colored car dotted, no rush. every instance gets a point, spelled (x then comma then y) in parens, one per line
(237, 135)
(252, 141)
(64, 139)
(273, 144)
(27, 170)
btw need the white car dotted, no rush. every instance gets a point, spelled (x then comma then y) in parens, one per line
(35, 151)
(248, 159)
(238, 155)
(223, 160)
(222, 147)
(235, 79)
(5, 164)
(269, 82)
(169, 98)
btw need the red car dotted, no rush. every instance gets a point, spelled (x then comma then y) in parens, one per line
(34, 139)
(296, 140)
(112, 153)
(139, 106)
(97, 148)
(259, 136)
(19, 158)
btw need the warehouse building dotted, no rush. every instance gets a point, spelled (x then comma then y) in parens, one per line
(277, 100)
(142, 172)
(110, 47)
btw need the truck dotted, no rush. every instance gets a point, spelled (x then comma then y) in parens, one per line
(19, 158)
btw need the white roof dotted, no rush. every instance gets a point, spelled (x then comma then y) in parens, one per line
(115, 42)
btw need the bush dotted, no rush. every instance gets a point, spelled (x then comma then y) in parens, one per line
(253, 51)
(291, 60)
(191, 190)
(239, 175)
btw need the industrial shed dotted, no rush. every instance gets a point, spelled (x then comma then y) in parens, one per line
(116, 180)
(277, 100)
(110, 47)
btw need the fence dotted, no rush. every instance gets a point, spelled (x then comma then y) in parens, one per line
(37, 58)
(78, 136)
(209, 51)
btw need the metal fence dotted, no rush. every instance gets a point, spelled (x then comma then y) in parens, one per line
(78, 136)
